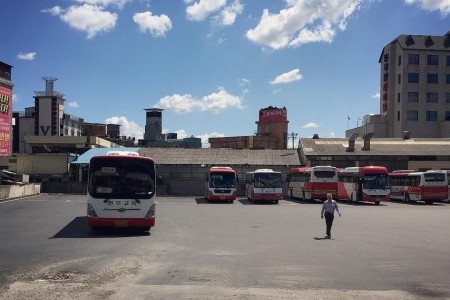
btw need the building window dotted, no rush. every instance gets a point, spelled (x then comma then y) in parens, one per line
(433, 60)
(432, 97)
(447, 116)
(412, 115)
(432, 78)
(398, 97)
(398, 115)
(413, 97)
(399, 78)
(447, 78)
(399, 60)
(431, 116)
(413, 77)
(447, 98)
(448, 60)
(413, 59)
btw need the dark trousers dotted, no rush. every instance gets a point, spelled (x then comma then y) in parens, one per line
(329, 217)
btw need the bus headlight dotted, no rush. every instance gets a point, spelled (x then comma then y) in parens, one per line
(151, 212)
(91, 212)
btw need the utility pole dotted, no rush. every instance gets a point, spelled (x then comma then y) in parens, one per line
(293, 136)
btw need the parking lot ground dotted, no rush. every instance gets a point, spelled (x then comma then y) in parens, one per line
(203, 250)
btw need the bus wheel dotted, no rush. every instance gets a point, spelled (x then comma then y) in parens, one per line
(429, 202)
(275, 202)
(230, 201)
(377, 202)
(407, 199)
(146, 228)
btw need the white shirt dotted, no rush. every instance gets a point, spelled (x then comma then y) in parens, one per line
(329, 207)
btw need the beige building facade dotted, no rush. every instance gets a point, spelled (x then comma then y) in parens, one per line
(414, 89)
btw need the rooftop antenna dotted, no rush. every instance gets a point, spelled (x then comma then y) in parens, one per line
(49, 85)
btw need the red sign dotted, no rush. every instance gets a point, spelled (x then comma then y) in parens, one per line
(5, 121)
(272, 115)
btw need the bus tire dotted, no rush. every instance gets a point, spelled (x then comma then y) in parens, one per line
(377, 202)
(429, 202)
(275, 202)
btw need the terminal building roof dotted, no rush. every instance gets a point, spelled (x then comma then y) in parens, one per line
(378, 146)
(208, 156)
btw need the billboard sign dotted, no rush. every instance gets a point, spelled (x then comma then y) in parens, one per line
(273, 115)
(5, 121)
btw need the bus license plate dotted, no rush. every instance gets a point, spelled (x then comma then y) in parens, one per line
(121, 223)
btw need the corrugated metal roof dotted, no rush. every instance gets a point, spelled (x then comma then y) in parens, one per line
(378, 146)
(207, 156)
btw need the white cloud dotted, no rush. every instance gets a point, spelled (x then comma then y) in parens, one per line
(156, 25)
(104, 3)
(54, 11)
(303, 22)
(214, 102)
(332, 134)
(206, 136)
(202, 9)
(15, 98)
(376, 96)
(287, 77)
(442, 5)
(127, 128)
(228, 15)
(73, 104)
(310, 125)
(89, 18)
(27, 56)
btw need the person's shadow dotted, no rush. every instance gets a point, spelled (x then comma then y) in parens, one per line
(321, 238)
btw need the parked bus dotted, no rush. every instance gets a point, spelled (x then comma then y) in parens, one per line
(121, 191)
(264, 185)
(370, 183)
(220, 184)
(448, 178)
(312, 182)
(426, 186)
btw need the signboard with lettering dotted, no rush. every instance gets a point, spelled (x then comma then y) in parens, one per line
(5, 121)
(273, 115)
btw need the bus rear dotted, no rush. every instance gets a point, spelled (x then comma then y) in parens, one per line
(121, 191)
(220, 184)
(434, 186)
(323, 181)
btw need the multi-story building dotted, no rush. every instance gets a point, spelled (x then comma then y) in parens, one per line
(153, 136)
(272, 128)
(414, 88)
(45, 119)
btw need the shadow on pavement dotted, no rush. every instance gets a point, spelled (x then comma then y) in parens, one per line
(77, 228)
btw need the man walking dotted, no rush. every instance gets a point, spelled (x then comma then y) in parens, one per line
(328, 208)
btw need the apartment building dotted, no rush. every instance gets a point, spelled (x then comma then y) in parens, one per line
(414, 89)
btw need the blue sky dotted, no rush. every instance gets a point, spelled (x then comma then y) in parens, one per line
(210, 64)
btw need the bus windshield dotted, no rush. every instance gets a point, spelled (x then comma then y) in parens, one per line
(222, 180)
(268, 180)
(121, 179)
(376, 181)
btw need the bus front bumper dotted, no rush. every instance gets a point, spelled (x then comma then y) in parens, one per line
(120, 223)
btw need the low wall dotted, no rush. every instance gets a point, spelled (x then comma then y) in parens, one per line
(64, 187)
(17, 191)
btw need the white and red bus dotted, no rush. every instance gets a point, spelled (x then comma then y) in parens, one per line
(121, 191)
(220, 184)
(264, 185)
(370, 183)
(448, 178)
(426, 186)
(312, 182)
